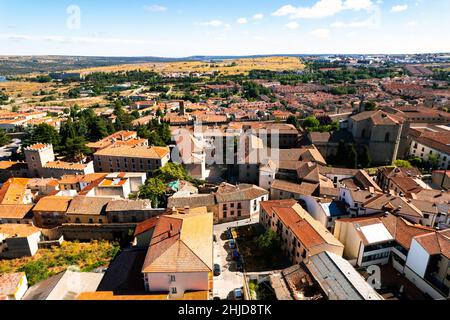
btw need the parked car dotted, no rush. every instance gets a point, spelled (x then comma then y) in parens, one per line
(216, 270)
(235, 255)
(228, 234)
(216, 298)
(232, 244)
(238, 294)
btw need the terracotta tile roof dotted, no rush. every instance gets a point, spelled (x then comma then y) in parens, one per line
(116, 137)
(12, 165)
(436, 243)
(181, 243)
(18, 230)
(134, 152)
(377, 117)
(242, 192)
(9, 283)
(65, 165)
(402, 230)
(406, 184)
(385, 202)
(16, 211)
(436, 140)
(306, 229)
(146, 225)
(436, 196)
(88, 206)
(53, 204)
(13, 191)
(193, 201)
(125, 205)
(303, 188)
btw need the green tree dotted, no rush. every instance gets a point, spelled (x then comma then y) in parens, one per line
(154, 190)
(269, 242)
(364, 158)
(97, 130)
(4, 138)
(403, 164)
(293, 120)
(171, 171)
(352, 158)
(43, 133)
(75, 148)
(311, 122)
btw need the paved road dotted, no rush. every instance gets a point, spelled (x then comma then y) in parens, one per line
(6, 151)
(229, 279)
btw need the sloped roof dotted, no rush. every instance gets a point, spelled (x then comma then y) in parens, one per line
(181, 243)
(16, 211)
(88, 205)
(304, 188)
(242, 192)
(53, 203)
(436, 243)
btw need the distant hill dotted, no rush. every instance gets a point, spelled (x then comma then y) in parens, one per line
(18, 65)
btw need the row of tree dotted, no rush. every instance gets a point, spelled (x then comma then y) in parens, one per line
(348, 156)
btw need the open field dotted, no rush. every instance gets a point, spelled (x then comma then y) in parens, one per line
(228, 67)
(25, 88)
(48, 262)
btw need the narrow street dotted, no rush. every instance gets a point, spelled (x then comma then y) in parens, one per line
(229, 278)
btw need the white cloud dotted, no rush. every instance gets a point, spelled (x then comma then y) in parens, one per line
(321, 33)
(399, 8)
(293, 25)
(323, 8)
(358, 4)
(258, 16)
(211, 23)
(373, 21)
(155, 8)
(242, 21)
(412, 23)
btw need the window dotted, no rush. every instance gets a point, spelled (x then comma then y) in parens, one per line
(172, 278)
(91, 220)
(387, 137)
(174, 290)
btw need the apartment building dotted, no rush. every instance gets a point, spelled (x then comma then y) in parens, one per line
(239, 202)
(180, 256)
(302, 236)
(431, 143)
(125, 158)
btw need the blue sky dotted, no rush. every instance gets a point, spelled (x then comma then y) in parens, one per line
(176, 28)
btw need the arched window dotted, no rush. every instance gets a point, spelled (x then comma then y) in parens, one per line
(387, 137)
